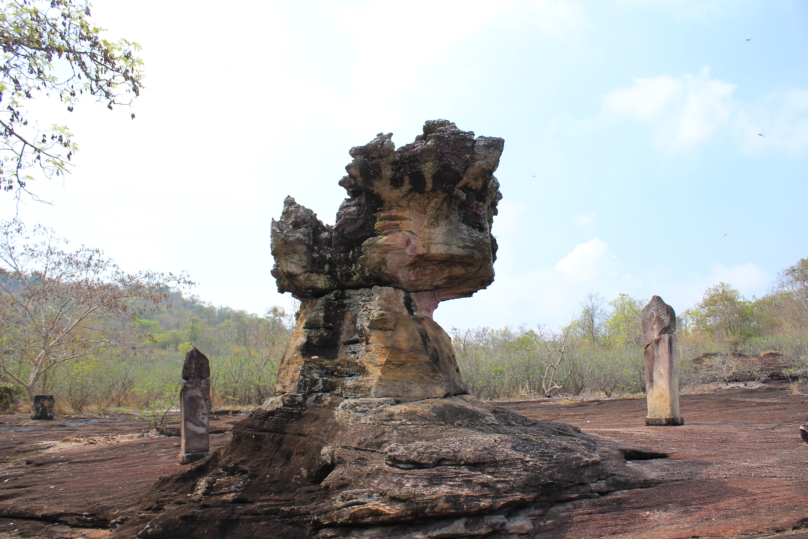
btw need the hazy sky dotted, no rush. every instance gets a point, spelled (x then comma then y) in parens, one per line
(633, 158)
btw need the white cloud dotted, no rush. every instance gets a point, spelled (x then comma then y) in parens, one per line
(696, 10)
(551, 296)
(387, 49)
(583, 261)
(551, 17)
(584, 219)
(682, 111)
(546, 296)
(647, 99)
(685, 291)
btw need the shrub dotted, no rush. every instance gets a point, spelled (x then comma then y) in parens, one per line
(9, 397)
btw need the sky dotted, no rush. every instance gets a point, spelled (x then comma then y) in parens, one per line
(651, 147)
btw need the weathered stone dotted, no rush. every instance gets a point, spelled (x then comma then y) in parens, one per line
(43, 407)
(415, 231)
(661, 379)
(195, 407)
(327, 467)
(418, 218)
(372, 342)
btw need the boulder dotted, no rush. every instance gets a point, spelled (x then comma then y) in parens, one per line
(43, 407)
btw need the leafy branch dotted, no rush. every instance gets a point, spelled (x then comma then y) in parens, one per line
(50, 46)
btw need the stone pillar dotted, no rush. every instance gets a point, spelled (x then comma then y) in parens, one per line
(43, 407)
(661, 380)
(195, 407)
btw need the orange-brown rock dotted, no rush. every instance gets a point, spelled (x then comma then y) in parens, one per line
(418, 218)
(326, 467)
(415, 231)
(372, 342)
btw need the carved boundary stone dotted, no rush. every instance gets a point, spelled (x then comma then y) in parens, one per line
(195, 407)
(43, 407)
(661, 379)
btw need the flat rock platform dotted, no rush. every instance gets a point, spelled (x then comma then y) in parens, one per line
(736, 468)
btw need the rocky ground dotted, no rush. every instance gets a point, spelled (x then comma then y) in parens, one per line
(737, 468)
(68, 477)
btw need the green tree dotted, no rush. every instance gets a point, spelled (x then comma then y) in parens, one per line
(51, 47)
(624, 325)
(193, 330)
(791, 295)
(588, 326)
(725, 314)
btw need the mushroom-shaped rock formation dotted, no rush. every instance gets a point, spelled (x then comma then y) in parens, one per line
(371, 432)
(416, 230)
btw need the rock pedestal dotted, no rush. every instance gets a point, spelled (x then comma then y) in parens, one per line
(372, 432)
(195, 408)
(661, 380)
(43, 407)
(371, 342)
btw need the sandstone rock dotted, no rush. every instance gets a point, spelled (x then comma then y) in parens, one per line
(195, 407)
(418, 218)
(661, 379)
(372, 342)
(323, 466)
(416, 230)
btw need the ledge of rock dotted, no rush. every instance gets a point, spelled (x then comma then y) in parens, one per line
(323, 466)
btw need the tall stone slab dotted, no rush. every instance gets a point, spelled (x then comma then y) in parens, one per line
(195, 407)
(661, 380)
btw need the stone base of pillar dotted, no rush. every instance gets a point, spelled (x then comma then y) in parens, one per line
(188, 458)
(664, 421)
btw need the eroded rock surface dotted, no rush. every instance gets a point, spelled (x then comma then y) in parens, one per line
(415, 231)
(371, 342)
(43, 407)
(418, 218)
(330, 467)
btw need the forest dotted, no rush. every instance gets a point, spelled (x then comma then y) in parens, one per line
(72, 324)
(721, 339)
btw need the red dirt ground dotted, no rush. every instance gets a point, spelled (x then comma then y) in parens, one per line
(737, 468)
